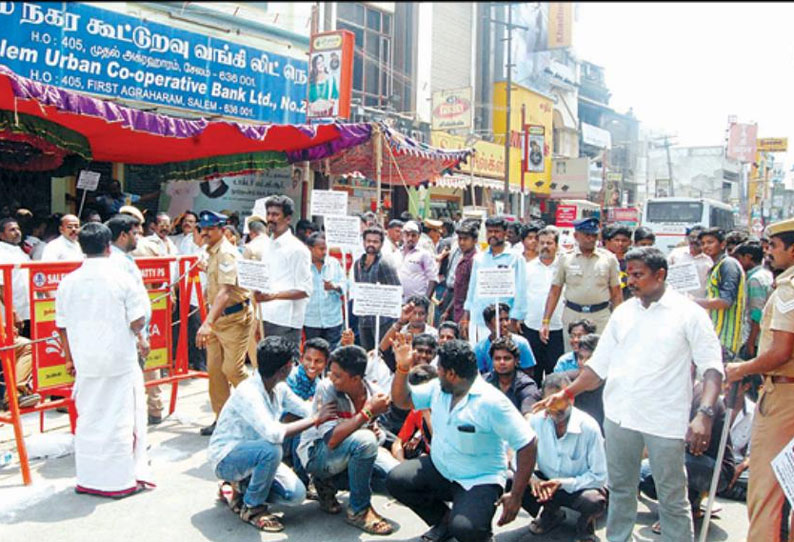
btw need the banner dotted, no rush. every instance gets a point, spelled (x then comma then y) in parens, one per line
(331, 74)
(742, 142)
(84, 48)
(534, 149)
(560, 24)
(452, 109)
(772, 144)
(565, 216)
(159, 331)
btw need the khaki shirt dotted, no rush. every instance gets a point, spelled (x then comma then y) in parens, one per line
(222, 269)
(587, 280)
(779, 316)
(256, 249)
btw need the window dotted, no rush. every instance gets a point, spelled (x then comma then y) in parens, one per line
(372, 62)
(721, 218)
(683, 212)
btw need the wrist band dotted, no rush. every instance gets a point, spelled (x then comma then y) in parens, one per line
(568, 394)
(545, 321)
(367, 414)
(402, 371)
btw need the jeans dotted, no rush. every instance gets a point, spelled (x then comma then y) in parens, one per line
(699, 470)
(367, 334)
(331, 334)
(290, 333)
(546, 354)
(624, 455)
(270, 480)
(417, 484)
(367, 466)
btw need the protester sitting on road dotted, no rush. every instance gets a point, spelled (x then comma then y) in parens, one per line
(344, 452)
(576, 330)
(571, 470)
(742, 418)
(699, 467)
(448, 331)
(245, 449)
(413, 320)
(517, 386)
(23, 349)
(592, 401)
(526, 360)
(473, 425)
(415, 434)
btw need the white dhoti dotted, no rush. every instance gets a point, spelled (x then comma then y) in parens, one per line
(110, 437)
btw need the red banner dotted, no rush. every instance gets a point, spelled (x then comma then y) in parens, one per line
(566, 214)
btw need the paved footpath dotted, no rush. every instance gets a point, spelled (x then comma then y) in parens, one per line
(183, 507)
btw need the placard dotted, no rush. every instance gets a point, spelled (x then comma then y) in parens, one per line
(88, 180)
(377, 300)
(683, 277)
(496, 282)
(253, 275)
(328, 203)
(783, 465)
(343, 232)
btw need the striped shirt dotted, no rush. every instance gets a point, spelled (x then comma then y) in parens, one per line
(726, 281)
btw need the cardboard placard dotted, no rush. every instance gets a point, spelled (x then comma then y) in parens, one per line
(253, 275)
(683, 277)
(783, 465)
(496, 282)
(328, 203)
(377, 300)
(88, 180)
(343, 232)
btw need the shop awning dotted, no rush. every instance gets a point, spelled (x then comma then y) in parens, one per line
(403, 160)
(116, 133)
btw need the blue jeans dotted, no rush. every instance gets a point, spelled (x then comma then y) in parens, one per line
(359, 455)
(270, 480)
(331, 334)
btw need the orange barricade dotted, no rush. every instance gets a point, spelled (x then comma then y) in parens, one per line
(50, 378)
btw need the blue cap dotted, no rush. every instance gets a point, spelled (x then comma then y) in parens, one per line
(208, 219)
(587, 225)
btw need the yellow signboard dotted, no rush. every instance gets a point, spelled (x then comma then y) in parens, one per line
(560, 24)
(488, 159)
(772, 144)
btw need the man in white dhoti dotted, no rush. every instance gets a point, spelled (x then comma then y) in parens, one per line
(100, 316)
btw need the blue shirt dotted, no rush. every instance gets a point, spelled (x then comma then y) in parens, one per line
(469, 441)
(577, 459)
(482, 350)
(567, 362)
(475, 303)
(324, 309)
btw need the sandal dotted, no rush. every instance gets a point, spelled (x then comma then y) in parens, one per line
(656, 528)
(260, 518)
(546, 522)
(370, 523)
(326, 495)
(230, 494)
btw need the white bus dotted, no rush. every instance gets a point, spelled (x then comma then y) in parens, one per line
(669, 218)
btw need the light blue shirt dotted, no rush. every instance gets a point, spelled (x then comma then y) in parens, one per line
(469, 441)
(567, 362)
(577, 459)
(482, 350)
(475, 303)
(252, 414)
(324, 309)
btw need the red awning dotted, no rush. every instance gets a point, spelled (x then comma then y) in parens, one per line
(121, 134)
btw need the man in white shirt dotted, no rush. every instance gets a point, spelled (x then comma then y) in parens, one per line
(291, 283)
(391, 244)
(64, 247)
(645, 354)
(693, 252)
(185, 242)
(540, 273)
(100, 316)
(11, 252)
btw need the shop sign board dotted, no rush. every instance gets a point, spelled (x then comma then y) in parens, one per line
(452, 109)
(331, 74)
(84, 48)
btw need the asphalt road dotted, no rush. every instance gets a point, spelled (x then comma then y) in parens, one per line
(183, 508)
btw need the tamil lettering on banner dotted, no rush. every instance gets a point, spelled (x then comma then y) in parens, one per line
(377, 300)
(683, 277)
(51, 357)
(343, 232)
(159, 331)
(328, 203)
(496, 282)
(81, 47)
(253, 275)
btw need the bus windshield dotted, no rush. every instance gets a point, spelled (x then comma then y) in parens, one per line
(686, 212)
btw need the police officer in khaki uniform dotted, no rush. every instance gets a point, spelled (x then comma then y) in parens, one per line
(773, 426)
(226, 331)
(591, 277)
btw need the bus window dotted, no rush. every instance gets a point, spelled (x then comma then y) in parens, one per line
(685, 212)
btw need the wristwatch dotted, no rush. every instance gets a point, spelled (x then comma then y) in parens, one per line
(707, 410)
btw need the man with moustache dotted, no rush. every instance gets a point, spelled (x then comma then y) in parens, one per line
(229, 323)
(418, 270)
(64, 247)
(11, 252)
(291, 283)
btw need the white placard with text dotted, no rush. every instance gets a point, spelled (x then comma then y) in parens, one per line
(343, 232)
(496, 282)
(88, 180)
(683, 277)
(377, 300)
(253, 275)
(328, 203)
(783, 465)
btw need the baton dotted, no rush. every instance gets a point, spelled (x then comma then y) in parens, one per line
(730, 401)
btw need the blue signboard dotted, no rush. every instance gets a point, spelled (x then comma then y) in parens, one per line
(87, 49)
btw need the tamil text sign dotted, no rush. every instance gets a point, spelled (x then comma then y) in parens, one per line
(773, 144)
(742, 142)
(452, 109)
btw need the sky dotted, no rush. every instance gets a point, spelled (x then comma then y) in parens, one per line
(685, 67)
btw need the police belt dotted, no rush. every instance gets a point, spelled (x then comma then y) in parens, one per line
(587, 308)
(236, 308)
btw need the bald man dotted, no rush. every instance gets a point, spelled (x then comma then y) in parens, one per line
(65, 246)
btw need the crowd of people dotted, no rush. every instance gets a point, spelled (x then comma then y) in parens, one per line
(594, 382)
